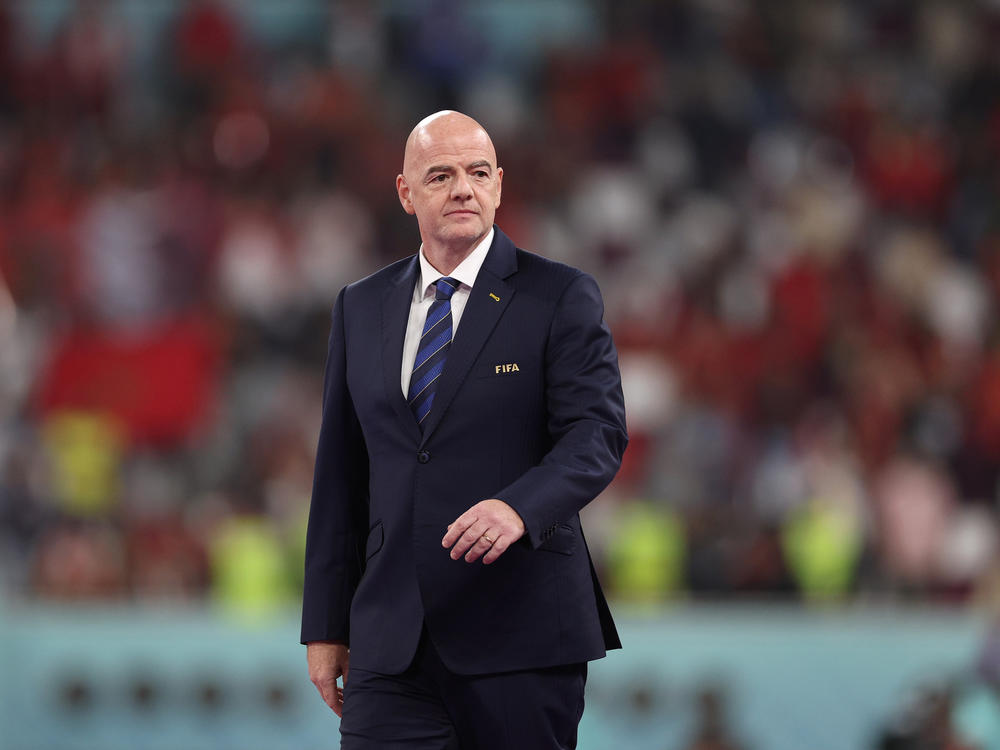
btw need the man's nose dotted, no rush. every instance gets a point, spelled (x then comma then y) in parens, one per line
(461, 187)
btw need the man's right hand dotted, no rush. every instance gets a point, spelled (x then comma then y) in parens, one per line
(328, 660)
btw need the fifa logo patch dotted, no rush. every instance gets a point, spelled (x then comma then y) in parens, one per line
(508, 367)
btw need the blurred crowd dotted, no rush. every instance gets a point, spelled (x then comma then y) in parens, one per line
(793, 209)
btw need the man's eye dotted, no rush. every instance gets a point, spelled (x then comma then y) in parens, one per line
(440, 178)
(481, 173)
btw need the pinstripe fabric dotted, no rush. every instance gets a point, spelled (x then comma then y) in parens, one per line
(433, 350)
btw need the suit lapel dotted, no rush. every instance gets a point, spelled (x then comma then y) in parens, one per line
(487, 302)
(395, 313)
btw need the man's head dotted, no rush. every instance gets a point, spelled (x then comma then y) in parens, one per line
(450, 181)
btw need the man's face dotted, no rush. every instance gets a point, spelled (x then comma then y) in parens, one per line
(451, 182)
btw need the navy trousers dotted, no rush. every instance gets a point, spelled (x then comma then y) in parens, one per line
(427, 707)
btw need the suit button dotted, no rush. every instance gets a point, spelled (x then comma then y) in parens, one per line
(423, 457)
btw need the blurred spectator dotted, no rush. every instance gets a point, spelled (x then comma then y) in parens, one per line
(249, 573)
(976, 712)
(914, 503)
(927, 722)
(89, 59)
(7, 65)
(646, 553)
(357, 39)
(712, 730)
(207, 45)
(85, 453)
(166, 560)
(79, 560)
(794, 219)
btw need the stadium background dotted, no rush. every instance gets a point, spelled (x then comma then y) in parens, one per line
(792, 209)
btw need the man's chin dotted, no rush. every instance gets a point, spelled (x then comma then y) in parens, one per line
(460, 234)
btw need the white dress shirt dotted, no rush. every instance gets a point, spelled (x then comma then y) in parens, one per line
(423, 296)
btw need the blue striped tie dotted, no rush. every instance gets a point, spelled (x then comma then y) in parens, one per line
(433, 350)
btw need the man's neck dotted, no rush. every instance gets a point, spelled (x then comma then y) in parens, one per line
(446, 259)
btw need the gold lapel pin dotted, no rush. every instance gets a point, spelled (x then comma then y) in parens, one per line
(495, 298)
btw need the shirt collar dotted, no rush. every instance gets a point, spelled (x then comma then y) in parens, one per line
(466, 271)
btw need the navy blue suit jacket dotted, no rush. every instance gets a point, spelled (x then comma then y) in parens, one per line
(545, 436)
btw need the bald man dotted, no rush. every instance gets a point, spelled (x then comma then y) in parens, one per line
(472, 406)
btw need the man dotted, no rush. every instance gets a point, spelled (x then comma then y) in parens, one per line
(472, 406)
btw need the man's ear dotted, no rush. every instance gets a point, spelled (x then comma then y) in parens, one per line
(499, 185)
(403, 191)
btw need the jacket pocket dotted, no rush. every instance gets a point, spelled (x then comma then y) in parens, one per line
(559, 538)
(375, 539)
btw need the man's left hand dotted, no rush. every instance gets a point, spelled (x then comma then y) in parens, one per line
(485, 530)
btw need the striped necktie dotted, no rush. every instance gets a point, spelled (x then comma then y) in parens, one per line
(433, 350)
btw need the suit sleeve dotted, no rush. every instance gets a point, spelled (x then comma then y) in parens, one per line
(585, 411)
(338, 510)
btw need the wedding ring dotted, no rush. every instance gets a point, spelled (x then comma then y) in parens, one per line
(488, 539)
